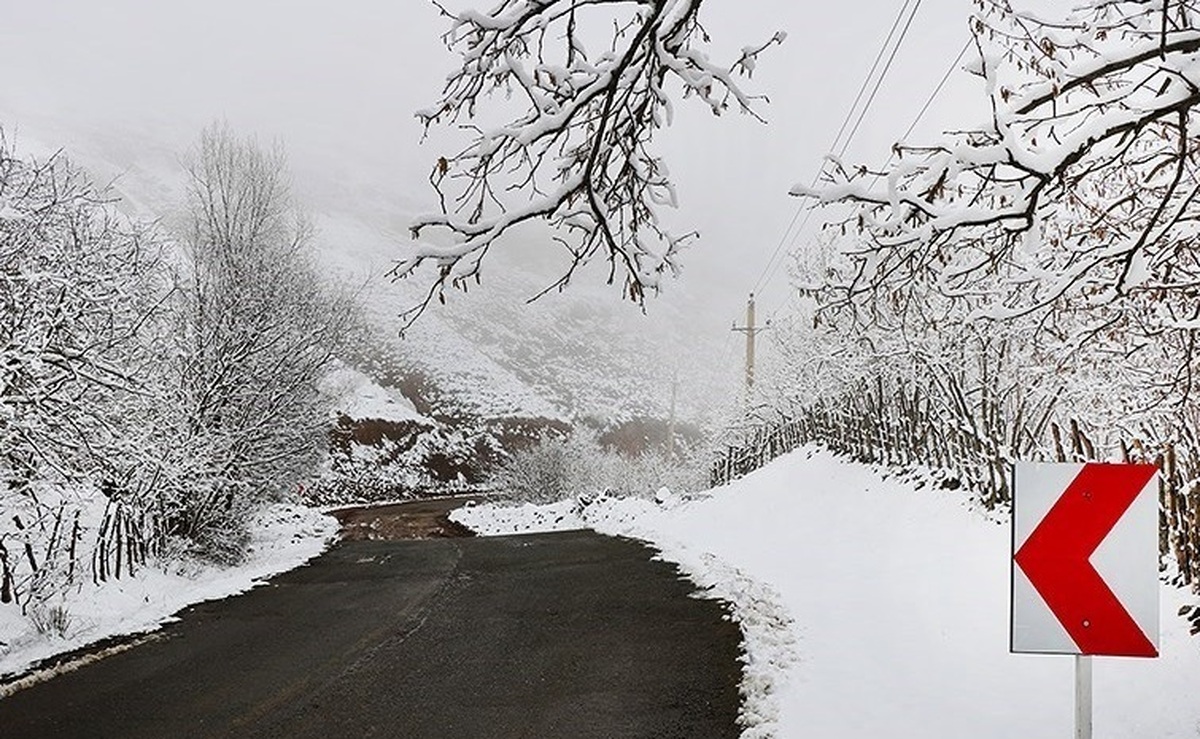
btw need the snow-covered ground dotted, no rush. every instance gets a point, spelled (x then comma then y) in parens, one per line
(873, 609)
(282, 537)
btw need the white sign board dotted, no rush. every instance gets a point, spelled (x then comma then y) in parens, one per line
(1085, 559)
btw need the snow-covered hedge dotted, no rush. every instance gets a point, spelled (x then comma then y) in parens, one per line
(559, 467)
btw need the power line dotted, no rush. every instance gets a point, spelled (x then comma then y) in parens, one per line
(907, 132)
(783, 302)
(773, 264)
(936, 91)
(879, 80)
(870, 73)
(726, 349)
(837, 137)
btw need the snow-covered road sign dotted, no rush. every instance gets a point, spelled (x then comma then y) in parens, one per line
(1085, 559)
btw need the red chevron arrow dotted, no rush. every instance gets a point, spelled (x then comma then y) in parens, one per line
(1055, 559)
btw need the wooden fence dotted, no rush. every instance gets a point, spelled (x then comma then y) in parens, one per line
(32, 566)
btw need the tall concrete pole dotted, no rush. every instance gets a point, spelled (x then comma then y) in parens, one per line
(751, 331)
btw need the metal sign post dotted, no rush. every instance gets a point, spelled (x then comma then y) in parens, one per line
(1083, 696)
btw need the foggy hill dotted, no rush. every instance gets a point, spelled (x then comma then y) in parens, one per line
(582, 354)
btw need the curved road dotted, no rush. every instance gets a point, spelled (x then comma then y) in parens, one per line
(569, 634)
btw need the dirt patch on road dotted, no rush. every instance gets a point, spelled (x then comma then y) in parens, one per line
(419, 519)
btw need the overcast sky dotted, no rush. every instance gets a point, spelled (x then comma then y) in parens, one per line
(338, 84)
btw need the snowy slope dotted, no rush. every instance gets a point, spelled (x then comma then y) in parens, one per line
(355, 395)
(580, 353)
(898, 600)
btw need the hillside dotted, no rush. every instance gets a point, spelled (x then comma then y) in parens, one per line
(484, 355)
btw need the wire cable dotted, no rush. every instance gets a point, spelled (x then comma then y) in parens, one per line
(933, 95)
(870, 73)
(879, 80)
(907, 132)
(773, 262)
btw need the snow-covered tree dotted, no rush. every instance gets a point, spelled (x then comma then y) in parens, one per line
(576, 150)
(79, 290)
(149, 400)
(71, 290)
(1079, 195)
(257, 326)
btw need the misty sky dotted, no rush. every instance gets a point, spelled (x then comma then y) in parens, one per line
(338, 84)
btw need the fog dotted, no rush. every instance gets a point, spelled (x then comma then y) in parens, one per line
(337, 85)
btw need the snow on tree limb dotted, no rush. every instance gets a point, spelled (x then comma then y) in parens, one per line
(576, 152)
(1081, 191)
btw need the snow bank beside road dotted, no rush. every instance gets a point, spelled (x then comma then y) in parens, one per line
(894, 602)
(282, 537)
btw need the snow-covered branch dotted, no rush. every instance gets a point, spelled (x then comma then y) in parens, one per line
(1082, 189)
(576, 151)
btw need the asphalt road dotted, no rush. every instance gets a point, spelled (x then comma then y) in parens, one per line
(552, 635)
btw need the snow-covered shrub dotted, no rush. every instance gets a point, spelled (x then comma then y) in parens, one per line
(80, 289)
(560, 467)
(255, 329)
(545, 472)
(50, 620)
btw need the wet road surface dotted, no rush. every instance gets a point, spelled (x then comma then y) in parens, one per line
(569, 634)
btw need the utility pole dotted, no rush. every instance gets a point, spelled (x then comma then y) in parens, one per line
(751, 331)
